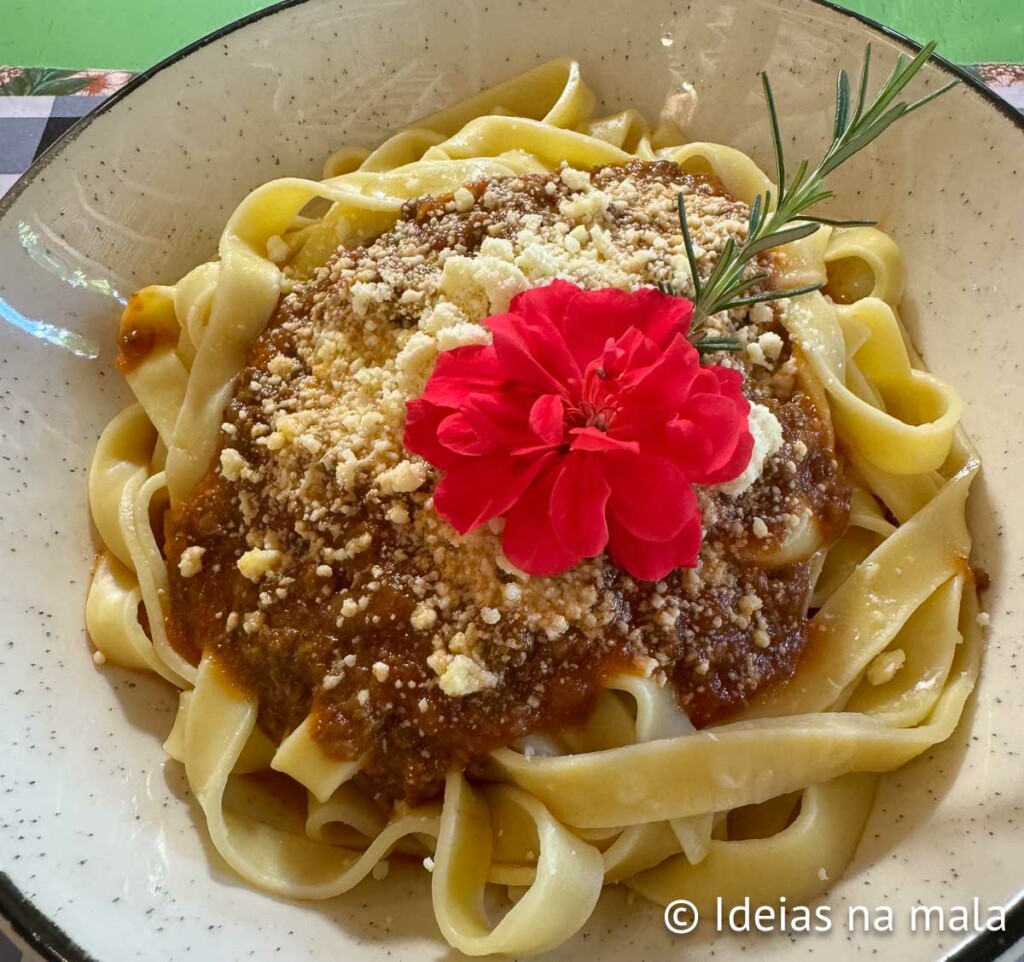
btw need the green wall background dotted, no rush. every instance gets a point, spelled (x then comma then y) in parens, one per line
(133, 34)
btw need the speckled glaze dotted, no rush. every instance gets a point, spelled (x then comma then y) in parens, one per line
(97, 830)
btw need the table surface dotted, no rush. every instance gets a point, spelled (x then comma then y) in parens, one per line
(133, 34)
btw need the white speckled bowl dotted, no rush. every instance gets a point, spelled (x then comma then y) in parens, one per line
(102, 853)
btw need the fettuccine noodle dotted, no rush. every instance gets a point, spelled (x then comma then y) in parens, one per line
(637, 795)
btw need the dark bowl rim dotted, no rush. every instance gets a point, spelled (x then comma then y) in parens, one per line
(37, 929)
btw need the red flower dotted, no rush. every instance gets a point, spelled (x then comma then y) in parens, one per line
(585, 424)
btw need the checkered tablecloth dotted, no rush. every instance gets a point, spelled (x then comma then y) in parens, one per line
(37, 106)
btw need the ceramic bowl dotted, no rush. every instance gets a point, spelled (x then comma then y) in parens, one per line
(102, 850)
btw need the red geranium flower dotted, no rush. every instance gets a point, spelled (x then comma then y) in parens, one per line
(585, 425)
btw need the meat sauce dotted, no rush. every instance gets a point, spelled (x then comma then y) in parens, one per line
(739, 628)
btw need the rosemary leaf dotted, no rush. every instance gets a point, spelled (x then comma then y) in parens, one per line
(854, 127)
(708, 344)
(770, 296)
(842, 105)
(688, 244)
(832, 222)
(862, 93)
(773, 116)
(785, 236)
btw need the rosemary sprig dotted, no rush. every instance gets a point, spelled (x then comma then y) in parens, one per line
(705, 345)
(699, 338)
(772, 223)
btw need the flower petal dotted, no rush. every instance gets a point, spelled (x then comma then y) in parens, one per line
(653, 560)
(462, 371)
(422, 422)
(578, 502)
(593, 439)
(729, 380)
(545, 303)
(478, 489)
(499, 421)
(720, 424)
(529, 344)
(459, 435)
(665, 384)
(736, 464)
(648, 421)
(547, 418)
(622, 356)
(646, 495)
(592, 317)
(529, 539)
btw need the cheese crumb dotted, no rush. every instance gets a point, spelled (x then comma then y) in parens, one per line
(365, 297)
(490, 616)
(983, 619)
(282, 366)
(498, 247)
(423, 617)
(513, 594)
(428, 864)
(481, 285)
(98, 658)
(416, 360)
(767, 434)
(591, 206)
(465, 334)
(257, 562)
(885, 666)
(575, 179)
(404, 477)
(555, 626)
(278, 250)
(444, 314)
(748, 604)
(766, 349)
(464, 200)
(380, 671)
(771, 344)
(191, 561)
(463, 676)
(232, 464)
(647, 665)
(759, 528)
(398, 514)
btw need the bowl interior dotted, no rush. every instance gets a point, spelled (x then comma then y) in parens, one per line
(100, 832)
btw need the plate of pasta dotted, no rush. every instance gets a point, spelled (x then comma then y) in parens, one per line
(475, 488)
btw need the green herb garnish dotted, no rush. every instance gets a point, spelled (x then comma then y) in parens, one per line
(856, 125)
